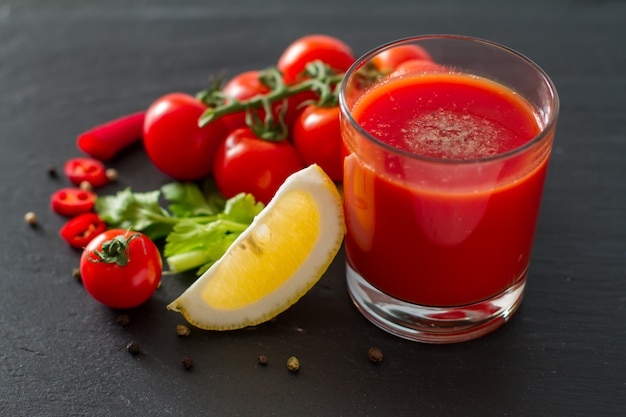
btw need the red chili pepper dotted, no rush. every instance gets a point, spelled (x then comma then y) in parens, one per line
(86, 169)
(80, 230)
(103, 142)
(72, 201)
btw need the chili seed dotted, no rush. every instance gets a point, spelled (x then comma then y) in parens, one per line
(122, 320)
(182, 330)
(133, 348)
(187, 362)
(262, 360)
(293, 364)
(375, 355)
(30, 218)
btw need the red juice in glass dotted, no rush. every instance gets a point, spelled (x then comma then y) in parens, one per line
(442, 188)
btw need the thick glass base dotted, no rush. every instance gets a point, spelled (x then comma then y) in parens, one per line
(433, 324)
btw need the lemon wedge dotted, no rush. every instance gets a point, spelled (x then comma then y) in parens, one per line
(275, 261)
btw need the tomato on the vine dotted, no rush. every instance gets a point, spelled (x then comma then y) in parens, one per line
(328, 49)
(246, 163)
(175, 143)
(417, 66)
(121, 268)
(389, 59)
(248, 85)
(317, 139)
(241, 87)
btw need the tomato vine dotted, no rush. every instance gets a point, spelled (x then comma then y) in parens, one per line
(318, 78)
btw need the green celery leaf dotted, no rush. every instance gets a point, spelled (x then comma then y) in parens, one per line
(191, 245)
(136, 211)
(215, 199)
(198, 228)
(187, 200)
(194, 245)
(242, 208)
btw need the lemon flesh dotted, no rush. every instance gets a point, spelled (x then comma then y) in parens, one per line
(275, 261)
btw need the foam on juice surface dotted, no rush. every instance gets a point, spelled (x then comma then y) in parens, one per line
(448, 134)
(453, 117)
(455, 135)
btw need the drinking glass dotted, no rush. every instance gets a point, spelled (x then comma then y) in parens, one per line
(441, 203)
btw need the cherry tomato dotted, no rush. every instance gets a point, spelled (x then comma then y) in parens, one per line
(297, 104)
(414, 66)
(72, 201)
(248, 85)
(121, 268)
(317, 139)
(86, 169)
(107, 140)
(243, 87)
(175, 143)
(330, 50)
(245, 163)
(389, 59)
(80, 230)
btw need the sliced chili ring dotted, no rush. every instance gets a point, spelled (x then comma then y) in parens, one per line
(81, 169)
(72, 201)
(80, 230)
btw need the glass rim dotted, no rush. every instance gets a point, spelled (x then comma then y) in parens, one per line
(549, 126)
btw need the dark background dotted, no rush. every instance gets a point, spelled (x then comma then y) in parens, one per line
(66, 66)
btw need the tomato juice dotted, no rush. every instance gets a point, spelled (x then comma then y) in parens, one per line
(442, 187)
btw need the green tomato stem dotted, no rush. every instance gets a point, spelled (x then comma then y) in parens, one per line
(115, 250)
(322, 80)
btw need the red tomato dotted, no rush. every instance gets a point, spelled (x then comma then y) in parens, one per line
(317, 139)
(86, 169)
(246, 86)
(245, 163)
(389, 59)
(332, 51)
(175, 143)
(297, 104)
(121, 268)
(80, 230)
(243, 87)
(72, 201)
(418, 66)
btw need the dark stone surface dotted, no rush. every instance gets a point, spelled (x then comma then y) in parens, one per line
(66, 66)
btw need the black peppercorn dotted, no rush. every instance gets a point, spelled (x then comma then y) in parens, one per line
(52, 172)
(375, 355)
(76, 274)
(133, 348)
(262, 360)
(187, 362)
(122, 320)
